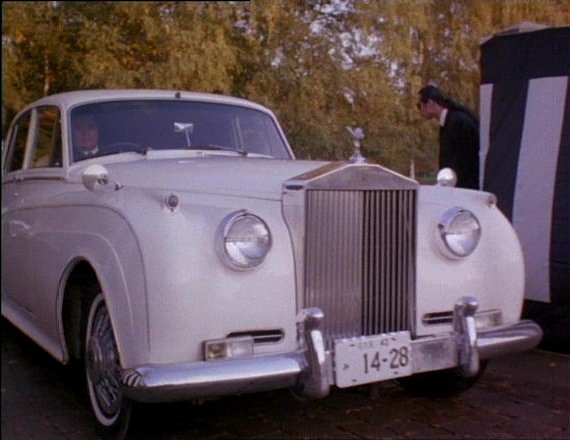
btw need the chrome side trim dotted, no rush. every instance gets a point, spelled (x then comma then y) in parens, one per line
(34, 177)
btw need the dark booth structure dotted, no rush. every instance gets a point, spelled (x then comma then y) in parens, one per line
(525, 160)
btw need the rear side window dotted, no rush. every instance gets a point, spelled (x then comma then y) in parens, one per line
(47, 145)
(17, 147)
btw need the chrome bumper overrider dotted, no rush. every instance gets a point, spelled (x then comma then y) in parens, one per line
(309, 371)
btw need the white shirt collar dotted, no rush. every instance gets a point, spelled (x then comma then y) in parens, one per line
(89, 152)
(442, 117)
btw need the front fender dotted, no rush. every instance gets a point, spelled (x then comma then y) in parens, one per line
(192, 295)
(106, 241)
(493, 273)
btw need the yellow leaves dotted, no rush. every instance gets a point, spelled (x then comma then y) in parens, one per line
(275, 53)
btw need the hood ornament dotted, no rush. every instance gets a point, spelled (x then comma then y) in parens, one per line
(357, 135)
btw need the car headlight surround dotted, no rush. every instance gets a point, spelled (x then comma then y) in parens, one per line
(243, 240)
(460, 231)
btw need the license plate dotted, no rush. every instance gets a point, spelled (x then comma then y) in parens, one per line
(372, 358)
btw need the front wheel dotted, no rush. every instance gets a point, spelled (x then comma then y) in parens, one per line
(102, 370)
(443, 383)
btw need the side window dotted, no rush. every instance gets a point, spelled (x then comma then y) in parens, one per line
(47, 143)
(17, 145)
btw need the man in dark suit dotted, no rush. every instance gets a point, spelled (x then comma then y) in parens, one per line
(85, 137)
(458, 135)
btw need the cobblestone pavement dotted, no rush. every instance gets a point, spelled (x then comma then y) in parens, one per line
(520, 396)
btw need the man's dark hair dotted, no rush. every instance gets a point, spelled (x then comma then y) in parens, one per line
(432, 93)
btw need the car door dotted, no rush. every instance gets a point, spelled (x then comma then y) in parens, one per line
(14, 254)
(32, 174)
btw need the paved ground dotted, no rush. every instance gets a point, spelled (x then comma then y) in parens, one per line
(521, 396)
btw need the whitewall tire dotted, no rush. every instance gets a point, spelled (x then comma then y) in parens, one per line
(102, 370)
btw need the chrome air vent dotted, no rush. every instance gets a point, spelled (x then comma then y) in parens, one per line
(261, 336)
(437, 318)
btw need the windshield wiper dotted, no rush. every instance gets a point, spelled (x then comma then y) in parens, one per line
(217, 148)
(142, 151)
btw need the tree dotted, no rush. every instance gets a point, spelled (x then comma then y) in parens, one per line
(320, 65)
(37, 44)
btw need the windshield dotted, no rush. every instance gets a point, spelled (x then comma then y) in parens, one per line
(142, 125)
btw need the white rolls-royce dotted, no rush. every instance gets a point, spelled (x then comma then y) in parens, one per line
(170, 242)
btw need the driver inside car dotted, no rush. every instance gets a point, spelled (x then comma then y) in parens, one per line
(85, 135)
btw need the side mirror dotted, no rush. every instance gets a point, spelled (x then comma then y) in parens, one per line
(446, 177)
(96, 177)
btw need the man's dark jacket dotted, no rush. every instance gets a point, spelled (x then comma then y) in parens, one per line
(459, 147)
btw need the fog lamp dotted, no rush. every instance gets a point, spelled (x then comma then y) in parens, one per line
(228, 348)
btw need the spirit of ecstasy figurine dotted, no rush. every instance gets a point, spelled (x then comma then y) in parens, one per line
(357, 134)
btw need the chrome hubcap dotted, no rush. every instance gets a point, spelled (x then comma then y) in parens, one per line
(103, 371)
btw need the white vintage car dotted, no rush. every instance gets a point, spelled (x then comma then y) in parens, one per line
(170, 241)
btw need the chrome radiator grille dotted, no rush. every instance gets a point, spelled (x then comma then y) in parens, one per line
(360, 260)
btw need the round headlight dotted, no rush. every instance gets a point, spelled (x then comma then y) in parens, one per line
(460, 231)
(243, 241)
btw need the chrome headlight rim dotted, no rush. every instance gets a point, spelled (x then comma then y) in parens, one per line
(229, 250)
(457, 243)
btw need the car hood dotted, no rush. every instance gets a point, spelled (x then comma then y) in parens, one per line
(237, 176)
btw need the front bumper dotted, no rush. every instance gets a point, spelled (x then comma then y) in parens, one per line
(309, 370)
